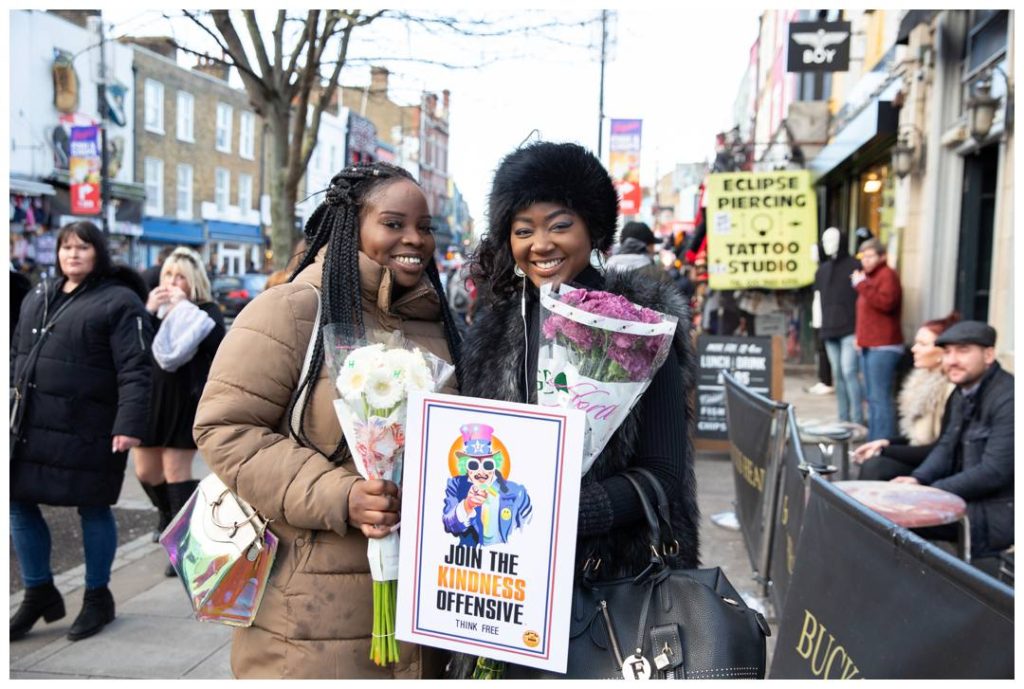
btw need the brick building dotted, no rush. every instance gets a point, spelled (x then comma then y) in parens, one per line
(418, 135)
(199, 151)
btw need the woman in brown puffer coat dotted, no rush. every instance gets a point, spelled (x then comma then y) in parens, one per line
(275, 440)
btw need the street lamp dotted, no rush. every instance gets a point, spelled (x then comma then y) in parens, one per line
(981, 106)
(905, 155)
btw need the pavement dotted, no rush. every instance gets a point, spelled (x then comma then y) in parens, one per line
(155, 636)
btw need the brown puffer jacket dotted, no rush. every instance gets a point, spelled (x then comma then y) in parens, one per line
(316, 615)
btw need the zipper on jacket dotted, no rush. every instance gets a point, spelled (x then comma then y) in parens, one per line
(142, 341)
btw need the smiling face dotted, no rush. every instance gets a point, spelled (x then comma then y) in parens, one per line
(77, 258)
(480, 471)
(549, 243)
(395, 231)
(966, 363)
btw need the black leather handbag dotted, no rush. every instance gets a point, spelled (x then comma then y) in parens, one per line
(663, 623)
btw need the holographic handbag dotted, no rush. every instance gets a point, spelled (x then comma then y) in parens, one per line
(222, 551)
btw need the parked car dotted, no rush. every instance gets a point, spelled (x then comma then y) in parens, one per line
(233, 292)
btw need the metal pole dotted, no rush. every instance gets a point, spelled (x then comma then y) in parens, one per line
(600, 103)
(104, 185)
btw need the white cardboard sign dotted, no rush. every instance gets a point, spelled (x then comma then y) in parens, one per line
(489, 506)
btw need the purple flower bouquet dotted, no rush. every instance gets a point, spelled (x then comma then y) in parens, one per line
(598, 353)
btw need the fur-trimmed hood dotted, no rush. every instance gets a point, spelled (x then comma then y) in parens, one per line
(493, 358)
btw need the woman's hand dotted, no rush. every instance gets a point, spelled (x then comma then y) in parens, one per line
(374, 506)
(157, 297)
(869, 450)
(175, 295)
(123, 442)
(909, 480)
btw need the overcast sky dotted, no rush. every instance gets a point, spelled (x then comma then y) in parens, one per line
(678, 70)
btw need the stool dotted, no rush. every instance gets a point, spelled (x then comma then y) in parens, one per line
(829, 438)
(912, 507)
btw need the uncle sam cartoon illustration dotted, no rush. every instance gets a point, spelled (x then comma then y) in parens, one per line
(481, 507)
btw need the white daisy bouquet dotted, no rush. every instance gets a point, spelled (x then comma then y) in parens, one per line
(373, 382)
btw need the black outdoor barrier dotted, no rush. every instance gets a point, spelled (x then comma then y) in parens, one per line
(756, 432)
(788, 515)
(869, 599)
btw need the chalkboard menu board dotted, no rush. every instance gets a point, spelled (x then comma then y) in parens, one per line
(754, 361)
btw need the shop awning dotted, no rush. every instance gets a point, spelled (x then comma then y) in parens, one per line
(28, 187)
(874, 124)
(910, 22)
(169, 231)
(221, 231)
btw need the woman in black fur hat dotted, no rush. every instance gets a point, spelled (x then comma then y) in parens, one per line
(551, 206)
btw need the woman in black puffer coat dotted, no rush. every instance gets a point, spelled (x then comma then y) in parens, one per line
(81, 379)
(551, 206)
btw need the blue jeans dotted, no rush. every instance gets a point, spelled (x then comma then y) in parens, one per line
(842, 357)
(31, 539)
(879, 371)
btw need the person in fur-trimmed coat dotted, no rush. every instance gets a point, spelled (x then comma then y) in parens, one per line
(551, 205)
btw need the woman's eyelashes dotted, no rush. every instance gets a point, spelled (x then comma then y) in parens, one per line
(528, 231)
(398, 226)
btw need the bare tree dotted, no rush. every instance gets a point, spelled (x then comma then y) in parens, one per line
(298, 73)
(299, 78)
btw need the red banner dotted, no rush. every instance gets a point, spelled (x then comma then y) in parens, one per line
(84, 170)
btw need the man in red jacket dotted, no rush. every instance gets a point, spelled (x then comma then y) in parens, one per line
(878, 335)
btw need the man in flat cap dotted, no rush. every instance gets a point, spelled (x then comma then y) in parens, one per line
(974, 456)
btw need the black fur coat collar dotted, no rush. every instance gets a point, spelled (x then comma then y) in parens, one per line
(493, 368)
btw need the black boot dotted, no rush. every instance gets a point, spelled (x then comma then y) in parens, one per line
(178, 494)
(97, 612)
(40, 601)
(158, 496)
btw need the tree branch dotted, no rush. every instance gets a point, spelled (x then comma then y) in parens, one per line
(257, 43)
(297, 155)
(279, 44)
(259, 94)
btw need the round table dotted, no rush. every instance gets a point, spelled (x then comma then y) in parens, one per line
(912, 506)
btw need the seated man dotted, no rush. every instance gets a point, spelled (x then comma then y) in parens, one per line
(974, 455)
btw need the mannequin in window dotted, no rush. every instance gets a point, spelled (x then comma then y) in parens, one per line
(835, 315)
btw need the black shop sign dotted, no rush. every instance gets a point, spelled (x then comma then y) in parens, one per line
(819, 47)
(750, 359)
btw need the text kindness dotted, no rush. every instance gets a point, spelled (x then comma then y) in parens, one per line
(464, 589)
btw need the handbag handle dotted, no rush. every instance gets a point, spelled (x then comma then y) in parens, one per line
(669, 543)
(656, 563)
(253, 518)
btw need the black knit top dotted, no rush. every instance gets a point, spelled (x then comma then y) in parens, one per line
(612, 503)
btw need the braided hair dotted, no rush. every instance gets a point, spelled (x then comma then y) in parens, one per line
(335, 224)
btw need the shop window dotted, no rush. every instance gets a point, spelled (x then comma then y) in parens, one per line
(985, 48)
(874, 194)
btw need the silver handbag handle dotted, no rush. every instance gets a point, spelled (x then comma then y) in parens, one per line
(233, 527)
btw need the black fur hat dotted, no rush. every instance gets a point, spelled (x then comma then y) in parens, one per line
(546, 172)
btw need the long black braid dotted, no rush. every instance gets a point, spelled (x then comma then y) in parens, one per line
(335, 223)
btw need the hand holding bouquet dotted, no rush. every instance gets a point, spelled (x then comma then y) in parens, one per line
(598, 352)
(374, 381)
